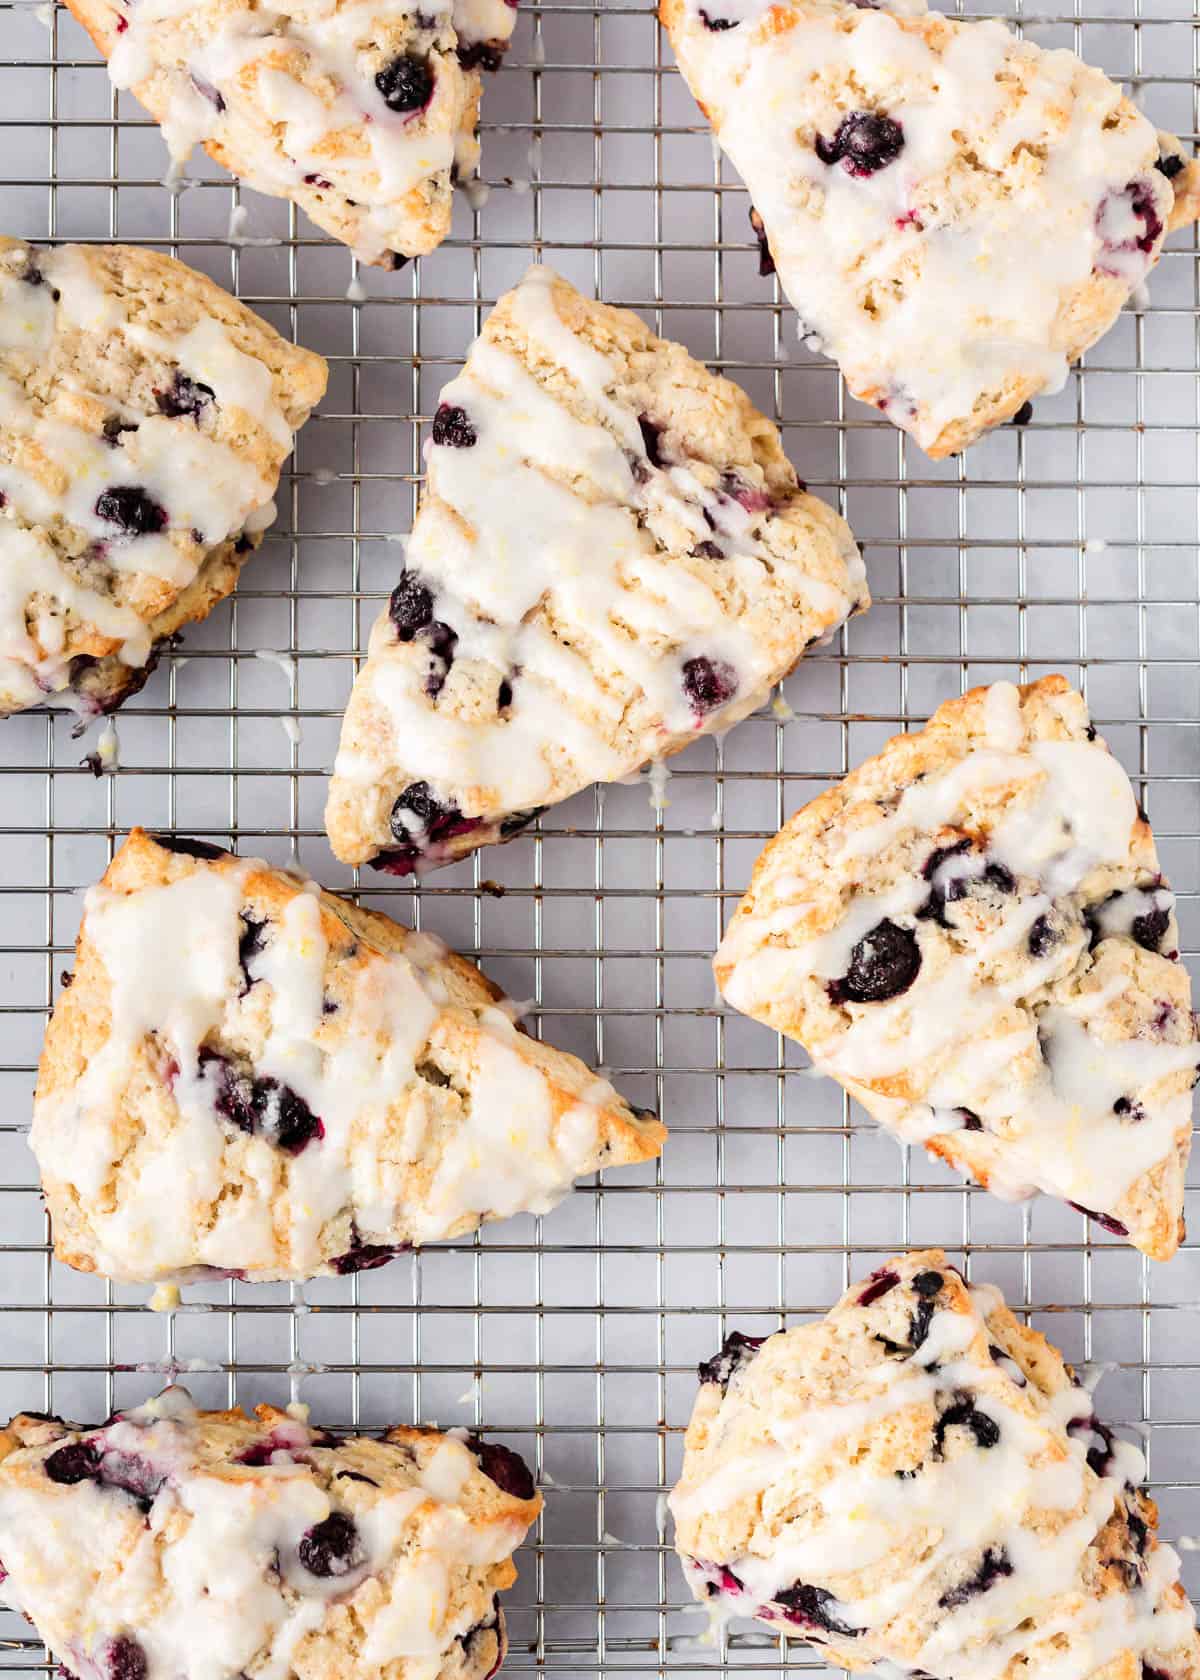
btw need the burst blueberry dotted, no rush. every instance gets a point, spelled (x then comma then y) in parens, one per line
(452, 429)
(331, 1548)
(78, 1461)
(501, 1465)
(708, 683)
(865, 143)
(406, 84)
(883, 964)
(411, 606)
(185, 398)
(736, 1353)
(128, 507)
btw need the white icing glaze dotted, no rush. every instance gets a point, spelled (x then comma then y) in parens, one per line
(211, 1585)
(547, 507)
(1029, 1499)
(207, 491)
(510, 1150)
(980, 1033)
(935, 282)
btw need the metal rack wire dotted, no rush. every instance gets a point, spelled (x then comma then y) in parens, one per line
(1068, 544)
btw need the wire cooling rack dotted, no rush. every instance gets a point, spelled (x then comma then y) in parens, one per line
(1070, 544)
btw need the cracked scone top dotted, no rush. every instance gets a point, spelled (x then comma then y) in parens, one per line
(955, 214)
(612, 555)
(362, 113)
(250, 1077)
(971, 933)
(144, 417)
(171, 1542)
(917, 1481)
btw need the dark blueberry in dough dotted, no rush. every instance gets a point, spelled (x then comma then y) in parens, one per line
(501, 1465)
(411, 606)
(319, 182)
(441, 641)
(518, 820)
(135, 1476)
(865, 142)
(131, 509)
(185, 398)
(188, 848)
(883, 964)
(332, 1547)
(1129, 1109)
(995, 1564)
(708, 551)
(962, 1413)
(78, 1461)
(481, 55)
(1000, 878)
(1169, 166)
(124, 1659)
(651, 433)
(879, 1284)
(399, 260)
(766, 262)
(1104, 1220)
(262, 1107)
(1100, 1451)
(1150, 930)
(452, 428)
(1150, 1672)
(1023, 415)
(716, 24)
(736, 1352)
(354, 1476)
(366, 1257)
(250, 943)
(1043, 937)
(708, 683)
(814, 1607)
(970, 1120)
(406, 83)
(207, 91)
(417, 811)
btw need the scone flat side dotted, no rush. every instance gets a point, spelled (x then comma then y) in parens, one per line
(809, 879)
(600, 416)
(406, 1132)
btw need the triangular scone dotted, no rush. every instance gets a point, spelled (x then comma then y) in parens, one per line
(252, 1077)
(955, 214)
(363, 115)
(170, 1541)
(146, 415)
(612, 556)
(971, 934)
(918, 1481)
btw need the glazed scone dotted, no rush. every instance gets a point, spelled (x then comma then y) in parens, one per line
(612, 556)
(955, 214)
(917, 1481)
(251, 1077)
(362, 114)
(971, 933)
(174, 1542)
(144, 418)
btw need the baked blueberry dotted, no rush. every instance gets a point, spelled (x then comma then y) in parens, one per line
(1150, 930)
(250, 943)
(124, 1659)
(766, 262)
(501, 1465)
(452, 429)
(878, 1285)
(331, 1548)
(883, 964)
(184, 397)
(736, 1352)
(807, 1606)
(962, 1413)
(78, 1461)
(406, 84)
(865, 143)
(366, 1257)
(206, 90)
(1043, 937)
(417, 811)
(481, 55)
(651, 434)
(994, 1565)
(129, 508)
(189, 848)
(708, 683)
(262, 1107)
(1104, 1220)
(410, 607)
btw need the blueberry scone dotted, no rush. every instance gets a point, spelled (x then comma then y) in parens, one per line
(174, 1542)
(971, 933)
(363, 115)
(955, 214)
(144, 417)
(612, 556)
(251, 1077)
(918, 1481)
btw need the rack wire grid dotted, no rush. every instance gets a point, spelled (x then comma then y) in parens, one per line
(1068, 544)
